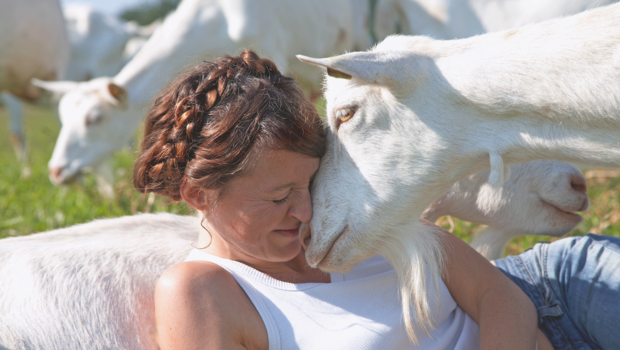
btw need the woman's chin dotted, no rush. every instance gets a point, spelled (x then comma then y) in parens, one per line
(286, 252)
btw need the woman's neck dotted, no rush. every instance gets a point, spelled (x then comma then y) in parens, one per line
(295, 270)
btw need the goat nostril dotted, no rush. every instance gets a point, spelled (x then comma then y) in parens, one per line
(578, 184)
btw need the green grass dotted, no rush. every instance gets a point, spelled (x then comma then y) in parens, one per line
(33, 204)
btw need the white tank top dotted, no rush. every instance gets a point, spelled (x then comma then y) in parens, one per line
(357, 310)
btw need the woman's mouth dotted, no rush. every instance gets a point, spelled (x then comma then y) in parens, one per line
(292, 232)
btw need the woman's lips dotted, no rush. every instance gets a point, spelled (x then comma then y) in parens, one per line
(293, 232)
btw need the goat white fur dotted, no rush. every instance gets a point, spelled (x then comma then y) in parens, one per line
(540, 198)
(198, 30)
(91, 285)
(427, 113)
(31, 51)
(33, 44)
(455, 19)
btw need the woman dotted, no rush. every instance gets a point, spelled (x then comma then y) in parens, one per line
(238, 141)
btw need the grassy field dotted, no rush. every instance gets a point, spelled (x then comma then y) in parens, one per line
(33, 204)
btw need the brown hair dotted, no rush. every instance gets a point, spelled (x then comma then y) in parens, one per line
(205, 124)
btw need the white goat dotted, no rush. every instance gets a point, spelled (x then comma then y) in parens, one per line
(33, 44)
(419, 114)
(97, 43)
(31, 51)
(91, 285)
(540, 198)
(101, 115)
(454, 19)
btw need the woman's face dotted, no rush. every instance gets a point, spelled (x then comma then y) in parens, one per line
(259, 214)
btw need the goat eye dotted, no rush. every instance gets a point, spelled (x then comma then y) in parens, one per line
(343, 115)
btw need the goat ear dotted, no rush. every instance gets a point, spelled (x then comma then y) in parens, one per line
(118, 93)
(59, 88)
(374, 67)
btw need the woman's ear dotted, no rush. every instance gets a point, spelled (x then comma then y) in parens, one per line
(197, 198)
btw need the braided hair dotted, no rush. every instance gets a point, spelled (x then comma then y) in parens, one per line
(204, 126)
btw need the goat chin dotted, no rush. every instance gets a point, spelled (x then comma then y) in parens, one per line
(416, 253)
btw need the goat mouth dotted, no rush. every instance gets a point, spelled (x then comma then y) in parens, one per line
(66, 179)
(329, 248)
(570, 215)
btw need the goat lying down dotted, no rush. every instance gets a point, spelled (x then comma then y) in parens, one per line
(91, 286)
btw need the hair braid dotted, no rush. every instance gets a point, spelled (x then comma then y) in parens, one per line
(211, 118)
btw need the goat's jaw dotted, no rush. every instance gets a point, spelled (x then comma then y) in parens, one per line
(316, 252)
(337, 252)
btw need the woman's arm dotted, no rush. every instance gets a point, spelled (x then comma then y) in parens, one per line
(199, 305)
(506, 316)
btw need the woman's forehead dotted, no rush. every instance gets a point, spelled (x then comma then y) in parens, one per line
(274, 170)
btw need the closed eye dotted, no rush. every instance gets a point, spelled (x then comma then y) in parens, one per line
(280, 201)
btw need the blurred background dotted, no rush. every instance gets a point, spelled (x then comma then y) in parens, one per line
(142, 11)
(30, 202)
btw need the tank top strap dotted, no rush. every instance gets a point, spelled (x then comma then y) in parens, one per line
(273, 334)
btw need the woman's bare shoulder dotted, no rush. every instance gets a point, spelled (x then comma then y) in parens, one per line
(198, 303)
(198, 278)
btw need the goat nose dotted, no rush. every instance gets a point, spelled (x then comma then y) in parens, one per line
(578, 183)
(55, 173)
(305, 235)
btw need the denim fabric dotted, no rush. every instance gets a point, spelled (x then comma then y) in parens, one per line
(575, 286)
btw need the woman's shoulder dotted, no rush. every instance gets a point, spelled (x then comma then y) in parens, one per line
(199, 287)
(197, 277)
(203, 299)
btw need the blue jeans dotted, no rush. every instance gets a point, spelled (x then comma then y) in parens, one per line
(575, 286)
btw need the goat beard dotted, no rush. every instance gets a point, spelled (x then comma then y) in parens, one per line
(417, 255)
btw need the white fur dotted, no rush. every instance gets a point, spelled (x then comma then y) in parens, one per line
(454, 19)
(202, 30)
(540, 198)
(429, 112)
(97, 42)
(89, 286)
(31, 51)
(33, 44)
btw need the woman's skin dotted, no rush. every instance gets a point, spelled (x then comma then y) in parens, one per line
(255, 219)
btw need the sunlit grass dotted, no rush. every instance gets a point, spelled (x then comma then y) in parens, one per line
(33, 204)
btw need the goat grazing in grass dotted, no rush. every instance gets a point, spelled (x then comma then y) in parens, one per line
(101, 115)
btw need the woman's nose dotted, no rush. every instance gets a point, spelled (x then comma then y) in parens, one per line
(302, 210)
